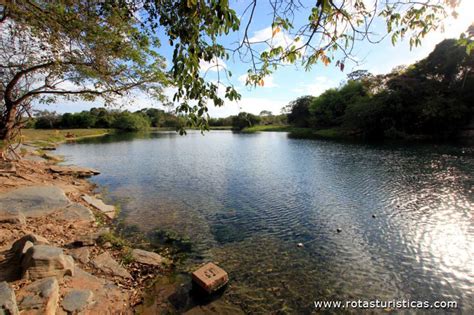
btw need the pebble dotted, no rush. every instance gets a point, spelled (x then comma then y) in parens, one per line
(339, 230)
(300, 245)
(374, 216)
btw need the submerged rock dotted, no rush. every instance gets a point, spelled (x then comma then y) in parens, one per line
(148, 258)
(41, 296)
(7, 300)
(210, 277)
(108, 210)
(105, 263)
(42, 261)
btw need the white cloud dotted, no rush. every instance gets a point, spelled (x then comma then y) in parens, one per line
(266, 35)
(317, 87)
(215, 65)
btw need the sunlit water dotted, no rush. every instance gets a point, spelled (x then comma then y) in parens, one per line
(246, 200)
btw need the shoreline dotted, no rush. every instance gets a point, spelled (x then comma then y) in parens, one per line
(102, 259)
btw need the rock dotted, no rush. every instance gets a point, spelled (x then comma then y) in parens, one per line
(107, 245)
(210, 277)
(109, 266)
(7, 300)
(73, 171)
(100, 205)
(339, 230)
(33, 201)
(147, 258)
(77, 300)
(40, 297)
(90, 239)
(300, 245)
(81, 254)
(42, 261)
(12, 217)
(77, 212)
(374, 216)
(108, 297)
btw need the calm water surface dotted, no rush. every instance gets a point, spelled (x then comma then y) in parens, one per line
(246, 200)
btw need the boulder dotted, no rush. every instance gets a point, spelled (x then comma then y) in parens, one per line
(81, 254)
(12, 217)
(147, 258)
(7, 300)
(33, 201)
(210, 277)
(40, 297)
(76, 301)
(105, 263)
(73, 171)
(42, 261)
(108, 210)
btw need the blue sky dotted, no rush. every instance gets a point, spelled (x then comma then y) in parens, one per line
(290, 81)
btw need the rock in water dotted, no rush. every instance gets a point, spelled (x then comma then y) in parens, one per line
(300, 245)
(148, 258)
(100, 205)
(7, 300)
(210, 277)
(40, 297)
(77, 300)
(42, 261)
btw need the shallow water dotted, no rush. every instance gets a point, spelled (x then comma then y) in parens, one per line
(246, 200)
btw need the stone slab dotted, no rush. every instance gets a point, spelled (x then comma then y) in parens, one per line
(108, 210)
(210, 277)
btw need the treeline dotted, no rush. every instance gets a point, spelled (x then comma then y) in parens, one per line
(433, 97)
(104, 118)
(244, 120)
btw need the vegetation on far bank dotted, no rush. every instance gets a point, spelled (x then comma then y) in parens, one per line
(56, 136)
(432, 98)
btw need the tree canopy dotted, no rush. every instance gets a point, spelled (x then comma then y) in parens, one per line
(91, 48)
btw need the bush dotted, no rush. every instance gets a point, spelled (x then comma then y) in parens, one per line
(127, 121)
(244, 120)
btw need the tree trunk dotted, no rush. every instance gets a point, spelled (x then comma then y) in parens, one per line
(8, 122)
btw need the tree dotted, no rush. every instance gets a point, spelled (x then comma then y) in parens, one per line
(74, 49)
(102, 49)
(244, 120)
(299, 111)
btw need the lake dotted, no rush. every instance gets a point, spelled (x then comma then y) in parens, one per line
(405, 212)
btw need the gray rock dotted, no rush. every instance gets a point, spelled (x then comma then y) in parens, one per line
(77, 212)
(12, 217)
(148, 258)
(100, 205)
(81, 254)
(74, 171)
(109, 266)
(90, 239)
(7, 300)
(77, 300)
(34, 201)
(41, 295)
(42, 261)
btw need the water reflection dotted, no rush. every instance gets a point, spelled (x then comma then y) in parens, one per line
(246, 200)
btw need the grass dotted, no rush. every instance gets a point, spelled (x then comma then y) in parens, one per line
(43, 137)
(258, 128)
